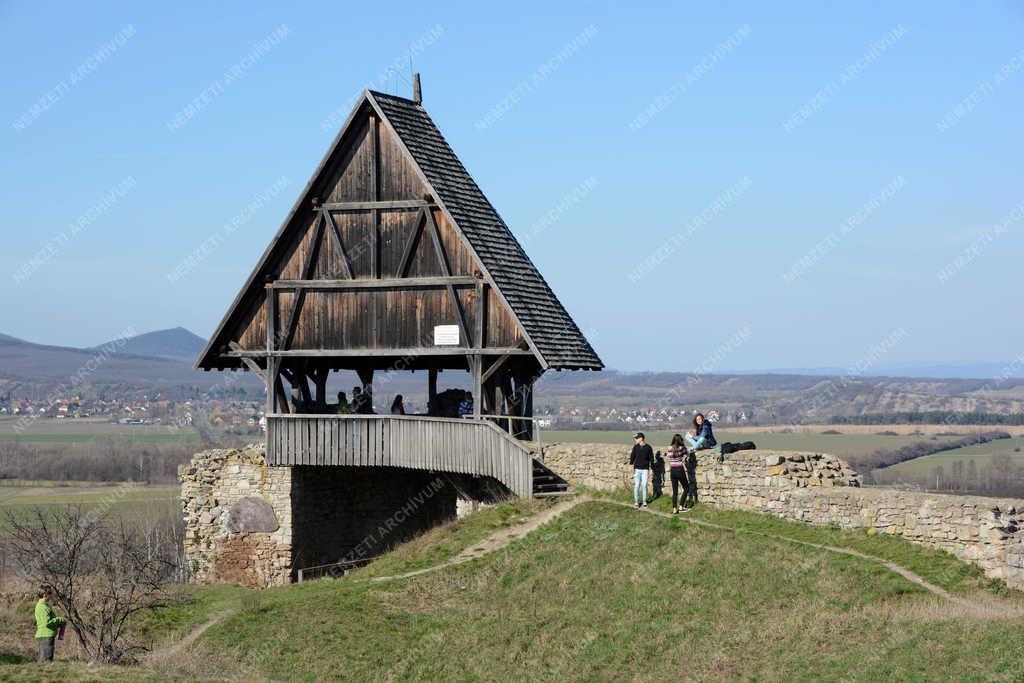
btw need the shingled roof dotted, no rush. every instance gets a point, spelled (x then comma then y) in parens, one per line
(550, 331)
(546, 322)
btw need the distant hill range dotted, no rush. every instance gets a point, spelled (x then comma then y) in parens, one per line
(162, 361)
(176, 343)
(157, 361)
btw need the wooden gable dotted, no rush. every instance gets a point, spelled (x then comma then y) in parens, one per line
(368, 263)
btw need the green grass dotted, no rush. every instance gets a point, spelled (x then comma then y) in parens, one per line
(88, 430)
(981, 454)
(448, 540)
(608, 593)
(847, 446)
(604, 592)
(128, 501)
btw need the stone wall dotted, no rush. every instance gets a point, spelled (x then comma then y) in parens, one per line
(821, 489)
(256, 525)
(252, 549)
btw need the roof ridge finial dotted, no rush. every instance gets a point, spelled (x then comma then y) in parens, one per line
(417, 91)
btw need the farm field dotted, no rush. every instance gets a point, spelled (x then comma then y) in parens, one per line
(847, 446)
(89, 430)
(981, 454)
(124, 499)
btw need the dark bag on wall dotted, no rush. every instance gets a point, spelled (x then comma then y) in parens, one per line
(733, 447)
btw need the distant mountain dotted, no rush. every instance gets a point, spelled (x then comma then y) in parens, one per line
(176, 342)
(114, 363)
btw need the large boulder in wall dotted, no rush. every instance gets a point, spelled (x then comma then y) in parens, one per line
(250, 515)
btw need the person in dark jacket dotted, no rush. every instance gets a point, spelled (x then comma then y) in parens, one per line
(677, 472)
(690, 499)
(642, 459)
(701, 436)
(658, 475)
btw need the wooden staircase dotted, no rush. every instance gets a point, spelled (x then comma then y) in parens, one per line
(547, 484)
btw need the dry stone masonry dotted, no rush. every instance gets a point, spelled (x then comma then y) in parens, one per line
(255, 525)
(224, 540)
(822, 489)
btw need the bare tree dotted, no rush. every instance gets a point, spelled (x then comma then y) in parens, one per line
(101, 573)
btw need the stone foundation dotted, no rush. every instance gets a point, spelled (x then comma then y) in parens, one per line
(256, 525)
(821, 489)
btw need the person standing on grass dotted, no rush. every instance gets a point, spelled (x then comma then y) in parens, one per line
(677, 471)
(642, 459)
(48, 624)
(658, 475)
(691, 482)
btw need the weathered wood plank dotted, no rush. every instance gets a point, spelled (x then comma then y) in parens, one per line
(384, 205)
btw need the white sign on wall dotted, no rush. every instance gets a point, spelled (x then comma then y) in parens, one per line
(446, 335)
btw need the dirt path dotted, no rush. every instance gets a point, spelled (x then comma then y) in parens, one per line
(167, 655)
(496, 541)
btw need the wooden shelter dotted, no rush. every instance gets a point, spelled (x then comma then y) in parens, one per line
(392, 259)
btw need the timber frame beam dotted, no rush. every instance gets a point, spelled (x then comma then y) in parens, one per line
(383, 283)
(453, 351)
(384, 205)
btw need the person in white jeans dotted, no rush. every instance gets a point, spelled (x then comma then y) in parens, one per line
(642, 459)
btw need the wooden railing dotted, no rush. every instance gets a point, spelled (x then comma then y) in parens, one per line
(425, 443)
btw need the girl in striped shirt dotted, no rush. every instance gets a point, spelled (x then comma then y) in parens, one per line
(676, 455)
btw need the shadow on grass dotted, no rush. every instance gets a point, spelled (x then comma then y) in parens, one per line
(13, 658)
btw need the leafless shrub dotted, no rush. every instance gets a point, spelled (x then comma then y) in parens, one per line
(102, 573)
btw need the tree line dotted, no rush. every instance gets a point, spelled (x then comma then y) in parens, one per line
(930, 417)
(100, 460)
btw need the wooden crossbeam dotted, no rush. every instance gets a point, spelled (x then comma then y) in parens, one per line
(494, 367)
(410, 246)
(442, 257)
(384, 205)
(307, 273)
(339, 246)
(389, 283)
(406, 351)
(249, 362)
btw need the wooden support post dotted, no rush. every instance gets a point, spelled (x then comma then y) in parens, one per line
(432, 391)
(271, 380)
(282, 398)
(480, 311)
(527, 390)
(320, 380)
(476, 366)
(366, 378)
(375, 192)
(303, 379)
(272, 377)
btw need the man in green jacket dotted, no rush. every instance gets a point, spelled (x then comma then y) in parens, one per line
(47, 624)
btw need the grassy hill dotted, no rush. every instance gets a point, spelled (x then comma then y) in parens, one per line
(610, 593)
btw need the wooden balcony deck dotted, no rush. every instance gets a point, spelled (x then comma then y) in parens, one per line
(426, 443)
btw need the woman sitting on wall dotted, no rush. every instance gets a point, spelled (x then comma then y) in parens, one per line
(701, 437)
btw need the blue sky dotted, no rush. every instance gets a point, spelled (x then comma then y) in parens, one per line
(104, 194)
